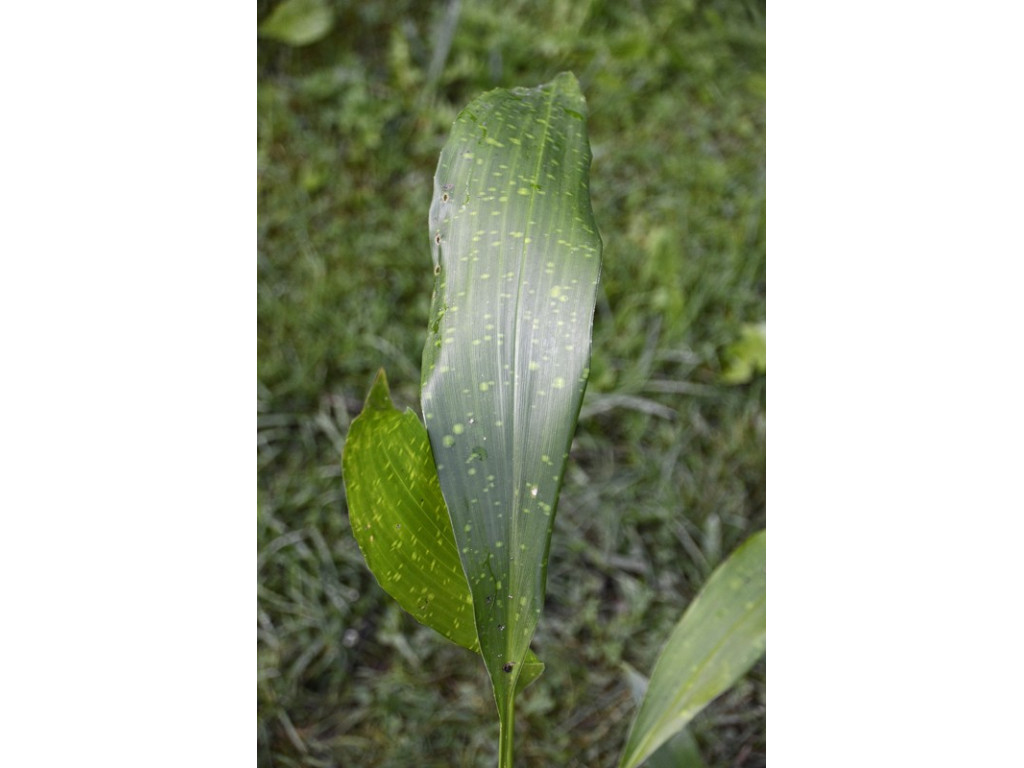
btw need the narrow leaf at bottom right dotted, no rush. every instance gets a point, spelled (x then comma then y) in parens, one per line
(720, 636)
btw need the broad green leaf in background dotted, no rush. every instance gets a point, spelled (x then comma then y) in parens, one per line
(720, 636)
(516, 262)
(400, 522)
(299, 22)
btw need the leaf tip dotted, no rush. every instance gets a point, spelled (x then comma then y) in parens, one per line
(379, 397)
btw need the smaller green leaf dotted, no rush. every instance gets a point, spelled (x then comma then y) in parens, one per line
(399, 518)
(299, 22)
(718, 639)
(401, 524)
(681, 750)
(747, 356)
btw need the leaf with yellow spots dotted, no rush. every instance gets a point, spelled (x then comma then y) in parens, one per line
(400, 522)
(517, 258)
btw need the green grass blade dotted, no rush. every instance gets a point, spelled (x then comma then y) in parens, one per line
(400, 522)
(719, 637)
(517, 260)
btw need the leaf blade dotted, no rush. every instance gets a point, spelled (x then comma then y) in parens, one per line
(718, 638)
(517, 259)
(399, 518)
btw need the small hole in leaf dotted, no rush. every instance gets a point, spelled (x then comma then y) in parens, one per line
(508, 666)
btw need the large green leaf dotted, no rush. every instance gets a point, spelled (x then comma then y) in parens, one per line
(400, 522)
(516, 263)
(721, 634)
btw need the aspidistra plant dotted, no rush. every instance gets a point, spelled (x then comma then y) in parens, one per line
(454, 513)
(516, 259)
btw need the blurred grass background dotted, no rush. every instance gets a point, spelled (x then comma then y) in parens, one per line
(667, 474)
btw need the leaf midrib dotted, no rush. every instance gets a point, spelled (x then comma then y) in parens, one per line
(518, 446)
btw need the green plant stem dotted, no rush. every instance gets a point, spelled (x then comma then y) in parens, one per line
(506, 733)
